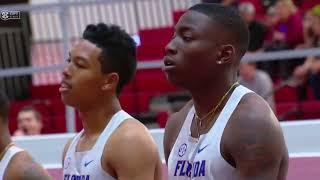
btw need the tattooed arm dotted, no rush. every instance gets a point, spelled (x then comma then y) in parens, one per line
(23, 167)
(257, 147)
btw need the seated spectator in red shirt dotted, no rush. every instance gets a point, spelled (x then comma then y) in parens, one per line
(309, 39)
(286, 34)
(309, 71)
(289, 29)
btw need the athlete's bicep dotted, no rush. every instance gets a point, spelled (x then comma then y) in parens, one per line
(33, 171)
(258, 146)
(146, 168)
(133, 154)
(258, 158)
(139, 162)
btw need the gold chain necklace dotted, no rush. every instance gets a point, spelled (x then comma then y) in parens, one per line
(213, 110)
(5, 150)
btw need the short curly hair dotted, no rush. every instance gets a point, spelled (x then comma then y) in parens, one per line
(118, 51)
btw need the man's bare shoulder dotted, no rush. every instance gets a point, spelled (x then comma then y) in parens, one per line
(254, 139)
(131, 148)
(130, 130)
(132, 136)
(253, 110)
(253, 116)
(23, 167)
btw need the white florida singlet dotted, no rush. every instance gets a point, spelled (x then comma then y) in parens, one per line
(87, 165)
(201, 159)
(11, 152)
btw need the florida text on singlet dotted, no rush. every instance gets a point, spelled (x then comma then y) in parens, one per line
(192, 158)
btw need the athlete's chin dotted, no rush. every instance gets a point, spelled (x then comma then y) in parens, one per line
(170, 77)
(67, 100)
(174, 80)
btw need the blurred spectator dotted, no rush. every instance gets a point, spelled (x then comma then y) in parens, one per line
(257, 80)
(309, 39)
(286, 32)
(260, 7)
(256, 29)
(271, 21)
(29, 122)
(268, 3)
(309, 71)
(289, 30)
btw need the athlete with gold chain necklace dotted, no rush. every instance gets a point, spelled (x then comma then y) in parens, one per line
(226, 132)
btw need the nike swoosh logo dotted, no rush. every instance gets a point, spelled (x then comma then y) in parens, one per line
(201, 149)
(87, 163)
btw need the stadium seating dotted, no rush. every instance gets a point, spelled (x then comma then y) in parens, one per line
(311, 109)
(287, 110)
(286, 94)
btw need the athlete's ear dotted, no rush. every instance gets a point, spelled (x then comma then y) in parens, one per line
(110, 81)
(226, 54)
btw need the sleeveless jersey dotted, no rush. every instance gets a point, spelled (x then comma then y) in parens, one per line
(11, 152)
(87, 165)
(200, 158)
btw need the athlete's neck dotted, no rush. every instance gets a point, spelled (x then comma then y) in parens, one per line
(96, 118)
(206, 98)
